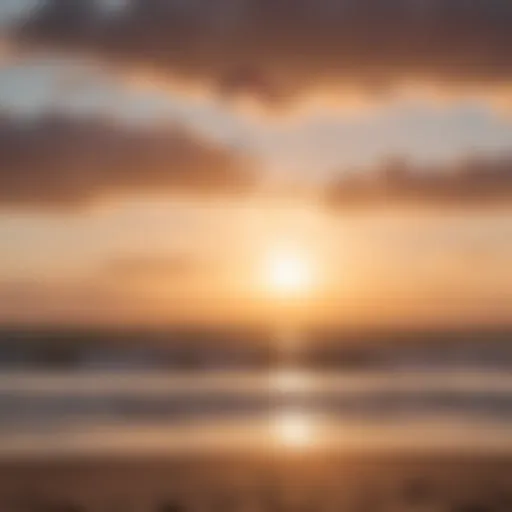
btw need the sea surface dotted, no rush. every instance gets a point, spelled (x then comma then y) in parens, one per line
(49, 412)
(95, 395)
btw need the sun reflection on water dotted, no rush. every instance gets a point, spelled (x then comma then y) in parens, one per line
(290, 381)
(294, 430)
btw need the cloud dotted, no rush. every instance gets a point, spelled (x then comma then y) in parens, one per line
(164, 268)
(187, 277)
(41, 301)
(58, 161)
(279, 50)
(471, 182)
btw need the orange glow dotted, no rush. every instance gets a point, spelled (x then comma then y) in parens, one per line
(289, 273)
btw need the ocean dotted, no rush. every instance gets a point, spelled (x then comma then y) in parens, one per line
(135, 398)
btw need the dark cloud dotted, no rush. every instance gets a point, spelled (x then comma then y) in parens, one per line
(277, 50)
(61, 161)
(472, 182)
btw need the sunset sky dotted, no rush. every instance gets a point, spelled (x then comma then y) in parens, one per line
(153, 153)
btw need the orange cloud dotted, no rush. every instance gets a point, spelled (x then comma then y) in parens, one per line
(470, 182)
(58, 161)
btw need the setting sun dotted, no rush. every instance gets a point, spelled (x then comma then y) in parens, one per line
(289, 273)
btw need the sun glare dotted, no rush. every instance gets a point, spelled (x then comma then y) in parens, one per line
(293, 430)
(289, 273)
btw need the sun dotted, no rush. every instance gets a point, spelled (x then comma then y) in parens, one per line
(289, 273)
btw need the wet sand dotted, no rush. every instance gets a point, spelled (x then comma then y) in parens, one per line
(271, 481)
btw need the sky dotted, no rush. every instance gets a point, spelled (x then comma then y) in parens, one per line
(153, 153)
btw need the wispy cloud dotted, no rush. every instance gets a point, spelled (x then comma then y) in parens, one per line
(161, 270)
